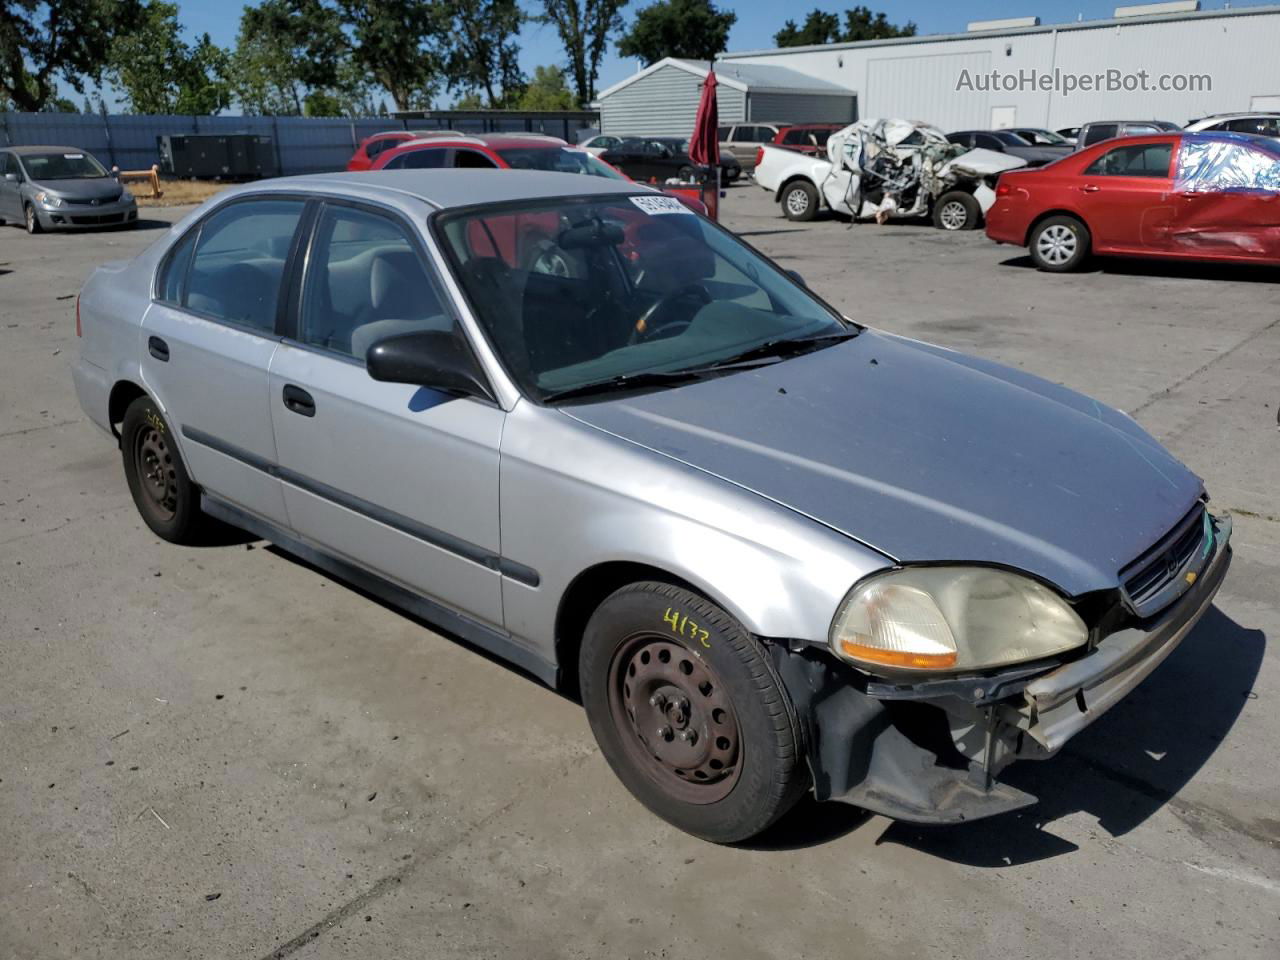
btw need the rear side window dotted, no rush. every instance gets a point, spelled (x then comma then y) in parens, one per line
(239, 259)
(365, 281)
(796, 136)
(473, 160)
(1139, 160)
(171, 284)
(419, 160)
(1099, 132)
(376, 147)
(1261, 126)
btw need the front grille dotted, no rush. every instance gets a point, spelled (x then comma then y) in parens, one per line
(1164, 572)
(78, 201)
(99, 219)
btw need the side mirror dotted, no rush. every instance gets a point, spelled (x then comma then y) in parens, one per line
(435, 359)
(795, 275)
(11, 178)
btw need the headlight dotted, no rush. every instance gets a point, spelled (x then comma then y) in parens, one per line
(49, 199)
(127, 196)
(952, 618)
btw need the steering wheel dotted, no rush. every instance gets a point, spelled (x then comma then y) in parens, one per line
(650, 327)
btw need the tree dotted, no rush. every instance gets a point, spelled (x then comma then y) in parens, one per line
(68, 40)
(484, 54)
(584, 27)
(859, 24)
(547, 91)
(280, 59)
(694, 29)
(397, 44)
(159, 73)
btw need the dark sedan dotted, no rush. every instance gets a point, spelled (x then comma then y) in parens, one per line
(1005, 141)
(661, 158)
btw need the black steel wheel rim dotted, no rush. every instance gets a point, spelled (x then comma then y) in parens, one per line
(157, 477)
(675, 719)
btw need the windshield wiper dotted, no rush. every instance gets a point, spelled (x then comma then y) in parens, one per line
(624, 381)
(780, 348)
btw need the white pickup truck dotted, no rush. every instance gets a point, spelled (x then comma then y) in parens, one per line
(886, 169)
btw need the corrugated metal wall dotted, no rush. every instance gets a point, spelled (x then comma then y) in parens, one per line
(919, 80)
(801, 108)
(304, 144)
(664, 104)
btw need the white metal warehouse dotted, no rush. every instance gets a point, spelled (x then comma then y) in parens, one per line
(662, 99)
(940, 79)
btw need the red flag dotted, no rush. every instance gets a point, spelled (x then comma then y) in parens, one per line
(704, 145)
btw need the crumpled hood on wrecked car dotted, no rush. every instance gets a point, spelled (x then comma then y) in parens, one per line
(926, 455)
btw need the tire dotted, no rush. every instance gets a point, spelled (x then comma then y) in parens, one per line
(800, 201)
(689, 712)
(33, 221)
(957, 210)
(1059, 244)
(162, 490)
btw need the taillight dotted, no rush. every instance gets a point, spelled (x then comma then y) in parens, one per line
(1003, 190)
(79, 332)
(759, 155)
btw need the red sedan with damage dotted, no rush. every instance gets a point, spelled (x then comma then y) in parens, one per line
(1199, 196)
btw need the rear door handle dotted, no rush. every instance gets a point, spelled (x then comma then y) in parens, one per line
(1089, 188)
(298, 401)
(158, 349)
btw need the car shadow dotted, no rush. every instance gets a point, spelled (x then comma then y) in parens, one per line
(1174, 269)
(1125, 767)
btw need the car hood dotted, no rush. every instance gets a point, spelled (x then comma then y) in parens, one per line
(93, 188)
(926, 455)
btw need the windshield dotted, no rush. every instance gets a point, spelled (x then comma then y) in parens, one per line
(62, 166)
(558, 160)
(1042, 137)
(584, 291)
(1011, 139)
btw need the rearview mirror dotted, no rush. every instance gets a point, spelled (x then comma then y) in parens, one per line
(435, 359)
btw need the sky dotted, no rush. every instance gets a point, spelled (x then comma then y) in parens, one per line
(757, 22)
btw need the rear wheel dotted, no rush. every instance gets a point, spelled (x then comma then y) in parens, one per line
(33, 221)
(800, 201)
(1059, 244)
(957, 210)
(689, 713)
(162, 491)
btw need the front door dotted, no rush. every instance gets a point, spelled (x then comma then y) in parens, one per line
(207, 342)
(401, 480)
(1227, 201)
(10, 198)
(1126, 195)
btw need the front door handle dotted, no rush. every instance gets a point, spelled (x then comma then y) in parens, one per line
(158, 349)
(298, 401)
(1089, 188)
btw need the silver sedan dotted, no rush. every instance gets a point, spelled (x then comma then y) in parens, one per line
(61, 188)
(575, 424)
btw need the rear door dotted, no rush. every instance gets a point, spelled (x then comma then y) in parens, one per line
(207, 341)
(401, 480)
(1227, 201)
(1126, 196)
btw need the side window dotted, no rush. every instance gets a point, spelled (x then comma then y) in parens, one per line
(472, 160)
(429, 159)
(173, 272)
(1216, 166)
(365, 281)
(376, 147)
(1139, 160)
(7, 164)
(1260, 126)
(796, 136)
(988, 142)
(1099, 132)
(239, 261)
(1139, 129)
(722, 133)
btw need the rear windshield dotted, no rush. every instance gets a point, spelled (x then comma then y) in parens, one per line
(62, 166)
(558, 160)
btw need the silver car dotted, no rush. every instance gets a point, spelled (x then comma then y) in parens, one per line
(577, 425)
(61, 188)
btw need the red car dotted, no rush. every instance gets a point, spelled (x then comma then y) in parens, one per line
(1200, 196)
(371, 147)
(810, 138)
(528, 151)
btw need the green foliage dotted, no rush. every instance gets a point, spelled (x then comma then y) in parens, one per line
(693, 29)
(69, 40)
(158, 73)
(547, 91)
(483, 54)
(859, 24)
(585, 27)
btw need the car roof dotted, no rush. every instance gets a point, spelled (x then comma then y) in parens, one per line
(453, 187)
(1195, 136)
(492, 141)
(32, 148)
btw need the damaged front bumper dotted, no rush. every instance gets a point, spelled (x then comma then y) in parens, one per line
(930, 752)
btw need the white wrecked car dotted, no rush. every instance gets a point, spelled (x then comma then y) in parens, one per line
(882, 169)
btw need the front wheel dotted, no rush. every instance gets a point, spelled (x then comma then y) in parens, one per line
(800, 201)
(957, 210)
(162, 491)
(689, 712)
(33, 221)
(1059, 244)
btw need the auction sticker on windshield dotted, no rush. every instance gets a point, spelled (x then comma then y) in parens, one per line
(657, 205)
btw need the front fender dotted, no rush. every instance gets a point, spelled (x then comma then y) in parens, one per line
(574, 497)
